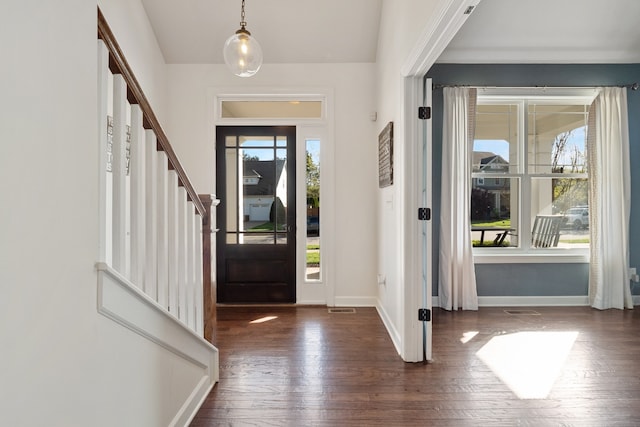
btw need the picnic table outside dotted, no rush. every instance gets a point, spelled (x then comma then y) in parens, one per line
(500, 233)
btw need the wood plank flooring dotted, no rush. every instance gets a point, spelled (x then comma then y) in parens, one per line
(302, 366)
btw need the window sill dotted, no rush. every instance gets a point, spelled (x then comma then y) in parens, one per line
(552, 256)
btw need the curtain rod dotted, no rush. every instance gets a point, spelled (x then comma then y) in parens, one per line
(632, 86)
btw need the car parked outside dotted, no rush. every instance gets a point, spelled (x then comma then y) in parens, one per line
(313, 226)
(577, 217)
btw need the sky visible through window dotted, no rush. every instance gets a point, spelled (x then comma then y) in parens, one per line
(313, 148)
(501, 147)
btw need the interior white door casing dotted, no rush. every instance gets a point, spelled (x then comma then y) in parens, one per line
(437, 34)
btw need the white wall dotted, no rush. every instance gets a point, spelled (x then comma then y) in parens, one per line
(191, 130)
(402, 23)
(63, 364)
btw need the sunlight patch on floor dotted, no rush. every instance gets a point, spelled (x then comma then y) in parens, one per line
(264, 319)
(528, 362)
(468, 336)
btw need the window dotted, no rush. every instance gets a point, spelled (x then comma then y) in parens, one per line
(529, 173)
(313, 209)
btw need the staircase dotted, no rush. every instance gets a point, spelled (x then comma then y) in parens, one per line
(154, 228)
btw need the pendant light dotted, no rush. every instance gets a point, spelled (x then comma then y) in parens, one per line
(242, 52)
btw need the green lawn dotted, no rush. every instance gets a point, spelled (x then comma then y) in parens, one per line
(585, 240)
(502, 223)
(267, 226)
(494, 223)
(313, 258)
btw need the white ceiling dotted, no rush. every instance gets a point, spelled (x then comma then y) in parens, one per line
(549, 31)
(289, 31)
(337, 31)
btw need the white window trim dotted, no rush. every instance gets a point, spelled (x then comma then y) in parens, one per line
(558, 256)
(521, 96)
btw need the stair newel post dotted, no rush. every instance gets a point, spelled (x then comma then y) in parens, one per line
(208, 281)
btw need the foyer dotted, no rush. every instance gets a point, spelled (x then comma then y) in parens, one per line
(292, 366)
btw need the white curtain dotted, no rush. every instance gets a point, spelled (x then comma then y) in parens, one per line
(457, 285)
(609, 200)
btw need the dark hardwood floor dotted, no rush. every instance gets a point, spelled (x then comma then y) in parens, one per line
(301, 366)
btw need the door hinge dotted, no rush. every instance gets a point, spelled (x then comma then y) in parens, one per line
(424, 113)
(424, 214)
(424, 315)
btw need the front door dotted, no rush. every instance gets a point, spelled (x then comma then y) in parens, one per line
(256, 217)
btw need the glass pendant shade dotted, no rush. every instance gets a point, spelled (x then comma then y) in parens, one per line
(242, 53)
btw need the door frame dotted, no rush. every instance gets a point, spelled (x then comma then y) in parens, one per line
(416, 296)
(315, 293)
(434, 38)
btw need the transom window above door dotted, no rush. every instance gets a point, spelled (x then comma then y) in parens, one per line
(247, 109)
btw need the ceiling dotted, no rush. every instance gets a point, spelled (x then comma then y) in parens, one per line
(289, 31)
(549, 31)
(344, 31)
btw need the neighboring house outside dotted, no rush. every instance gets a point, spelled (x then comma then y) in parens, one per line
(263, 181)
(495, 190)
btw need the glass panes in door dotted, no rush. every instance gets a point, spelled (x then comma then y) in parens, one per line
(256, 189)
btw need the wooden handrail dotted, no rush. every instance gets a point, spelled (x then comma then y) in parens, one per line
(119, 65)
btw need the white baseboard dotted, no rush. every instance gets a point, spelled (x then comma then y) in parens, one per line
(355, 301)
(528, 301)
(120, 301)
(195, 400)
(311, 302)
(539, 301)
(391, 330)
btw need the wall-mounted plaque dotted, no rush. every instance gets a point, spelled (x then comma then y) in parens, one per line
(385, 156)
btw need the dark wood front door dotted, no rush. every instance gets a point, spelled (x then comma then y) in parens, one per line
(256, 217)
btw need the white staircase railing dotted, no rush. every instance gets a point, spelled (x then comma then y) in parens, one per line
(151, 218)
(154, 272)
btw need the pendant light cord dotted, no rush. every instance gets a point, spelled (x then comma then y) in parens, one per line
(242, 21)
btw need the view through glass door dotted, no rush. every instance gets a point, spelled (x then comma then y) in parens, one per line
(256, 247)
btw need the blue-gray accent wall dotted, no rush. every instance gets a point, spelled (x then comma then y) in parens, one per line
(538, 279)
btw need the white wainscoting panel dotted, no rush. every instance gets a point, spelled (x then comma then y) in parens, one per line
(122, 302)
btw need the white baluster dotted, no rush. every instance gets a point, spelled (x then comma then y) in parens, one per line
(119, 172)
(172, 217)
(191, 271)
(198, 279)
(137, 177)
(103, 111)
(151, 202)
(182, 254)
(163, 248)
